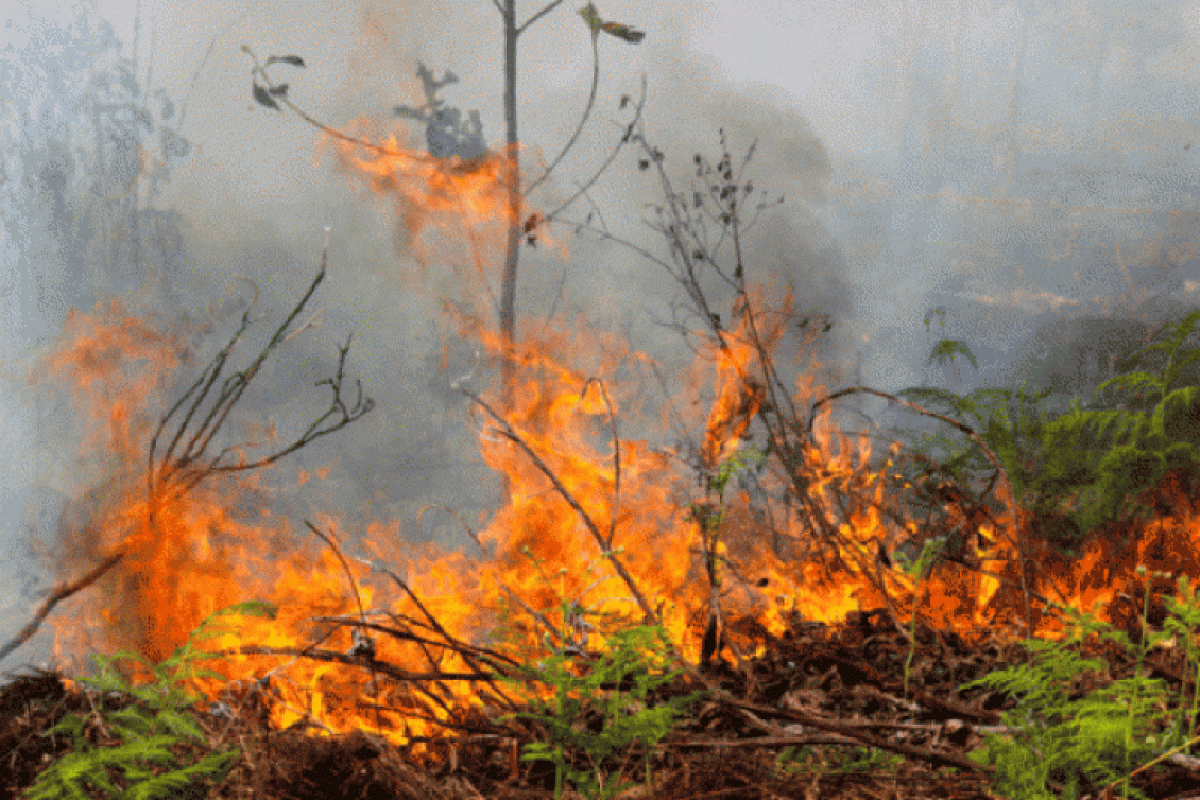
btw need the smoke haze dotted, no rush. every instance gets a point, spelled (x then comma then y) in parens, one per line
(1009, 163)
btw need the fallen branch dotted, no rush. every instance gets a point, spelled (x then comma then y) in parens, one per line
(373, 664)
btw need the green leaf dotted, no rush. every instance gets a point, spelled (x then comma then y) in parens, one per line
(592, 18)
(946, 350)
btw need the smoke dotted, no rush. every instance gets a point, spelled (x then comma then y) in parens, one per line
(1010, 165)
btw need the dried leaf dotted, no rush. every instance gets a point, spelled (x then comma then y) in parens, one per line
(629, 34)
(295, 61)
(263, 97)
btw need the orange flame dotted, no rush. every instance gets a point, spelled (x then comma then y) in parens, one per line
(540, 551)
(596, 518)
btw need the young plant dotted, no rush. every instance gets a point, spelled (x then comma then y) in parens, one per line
(742, 466)
(1182, 623)
(918, 569)
(144, 763)
(615, 687)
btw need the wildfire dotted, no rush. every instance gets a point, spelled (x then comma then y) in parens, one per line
(467, 199)
(601, 529)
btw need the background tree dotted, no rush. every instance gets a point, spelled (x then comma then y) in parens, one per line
(508, 282)
(447, 135)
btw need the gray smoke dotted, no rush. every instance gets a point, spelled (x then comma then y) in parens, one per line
(1013, 166)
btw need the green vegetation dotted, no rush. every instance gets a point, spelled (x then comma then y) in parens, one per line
(1083, 468)
(918, 568)
(144, 765)
(1099, 738)
(601, 705)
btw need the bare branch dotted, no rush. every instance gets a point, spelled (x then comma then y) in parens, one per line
(59, 594)
(545, 10)
(507, 431)
(583, 118)
(616, 435)
(608, 161)
(186, 456)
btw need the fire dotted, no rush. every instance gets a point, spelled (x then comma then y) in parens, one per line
(584, 498)
(466, 198)
(601, 528)
(192, 560)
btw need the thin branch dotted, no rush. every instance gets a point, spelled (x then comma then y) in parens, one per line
(200, 68)
(612, 157)
(616, 436)
(382, 667)
(279, 96)
(464, 650)
(966, 429)
(545, 10)
(59, 594)
(362, 614)
(507, 431)
(186, 454)
(583, 118)
(361, 407)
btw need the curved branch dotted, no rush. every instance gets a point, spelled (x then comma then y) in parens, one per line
(612, 156)
(59, 594)
(279, 97)
(507, 431)
(583, 118)
(546, 10)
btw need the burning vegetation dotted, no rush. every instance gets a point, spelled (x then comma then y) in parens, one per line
(825, 609)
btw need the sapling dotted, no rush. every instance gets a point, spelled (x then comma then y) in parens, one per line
(918, 569)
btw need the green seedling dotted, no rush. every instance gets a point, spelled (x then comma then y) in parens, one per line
(918, 569)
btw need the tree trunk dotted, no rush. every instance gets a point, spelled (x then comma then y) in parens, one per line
(508, 282)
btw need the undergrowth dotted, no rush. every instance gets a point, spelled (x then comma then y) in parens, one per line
(1089, 466)
(1067, 740)
(147, 722)
(601, 704)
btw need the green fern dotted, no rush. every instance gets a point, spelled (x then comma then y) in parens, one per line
(1087, 466)
(143, 766)
(1140, 447)
(1095, 740)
